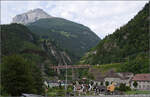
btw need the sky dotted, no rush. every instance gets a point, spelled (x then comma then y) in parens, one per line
(102, 17)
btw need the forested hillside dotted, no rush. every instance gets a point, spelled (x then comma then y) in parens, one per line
(16, 38)
(73, 37)
(18, 66)
(125, 44)
(31, 58)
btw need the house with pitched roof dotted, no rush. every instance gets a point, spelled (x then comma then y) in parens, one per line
(142, 80)
(114, 77)
(118, 78)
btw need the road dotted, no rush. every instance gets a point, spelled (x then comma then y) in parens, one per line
(116, 96)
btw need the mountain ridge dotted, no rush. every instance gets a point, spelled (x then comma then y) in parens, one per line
(31, 16)
(69, 35)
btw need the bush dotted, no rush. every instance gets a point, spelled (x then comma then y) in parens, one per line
(106, 83)
(135, 84)
(123, 87)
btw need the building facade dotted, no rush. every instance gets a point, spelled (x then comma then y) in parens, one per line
(142, 80)
(118, 78)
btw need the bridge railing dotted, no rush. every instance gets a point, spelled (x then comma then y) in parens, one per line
(70, 66)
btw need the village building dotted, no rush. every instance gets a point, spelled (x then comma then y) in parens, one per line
(99, 81)
(118, 78)
(53, 83)
(142, 80)
(113, 77)
(98, 76)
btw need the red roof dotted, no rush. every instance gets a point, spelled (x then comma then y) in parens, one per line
(141, 77)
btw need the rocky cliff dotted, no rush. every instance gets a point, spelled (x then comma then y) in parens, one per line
(31, 16)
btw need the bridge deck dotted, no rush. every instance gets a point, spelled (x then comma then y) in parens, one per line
(70, 66)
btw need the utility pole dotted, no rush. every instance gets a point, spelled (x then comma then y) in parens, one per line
(66, 83)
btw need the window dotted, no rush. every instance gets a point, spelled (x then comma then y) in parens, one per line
(143, 86)
(148, 86)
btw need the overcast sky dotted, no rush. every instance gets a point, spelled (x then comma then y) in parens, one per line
(102, 17)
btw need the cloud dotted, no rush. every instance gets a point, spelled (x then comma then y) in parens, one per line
(103, 17)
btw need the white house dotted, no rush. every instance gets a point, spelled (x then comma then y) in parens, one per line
(53, 83)
(112, 76)
(119, 78)
(143, 81)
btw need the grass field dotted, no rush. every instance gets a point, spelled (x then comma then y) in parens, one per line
(137, 92)
(56, 91)
(106, 67)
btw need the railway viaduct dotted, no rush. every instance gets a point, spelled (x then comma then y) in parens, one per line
(57, 68)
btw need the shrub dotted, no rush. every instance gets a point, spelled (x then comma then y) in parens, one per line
(106, 83)
(123, 87)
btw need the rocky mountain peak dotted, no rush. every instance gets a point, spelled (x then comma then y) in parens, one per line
(31, 16)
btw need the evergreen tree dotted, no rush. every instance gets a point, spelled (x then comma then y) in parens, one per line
(135, 84)
(19, 76)
(106, 83)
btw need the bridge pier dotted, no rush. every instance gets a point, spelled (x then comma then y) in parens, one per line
(58, 71)
(73, 74)
(89, 69)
